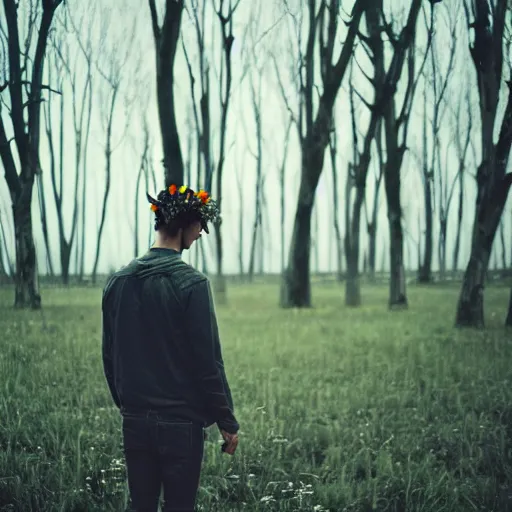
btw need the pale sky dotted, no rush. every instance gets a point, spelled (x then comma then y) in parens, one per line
(128, 37)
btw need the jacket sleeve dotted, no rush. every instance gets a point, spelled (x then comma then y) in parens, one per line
(108, 366)
(199, 325)
(220, 363)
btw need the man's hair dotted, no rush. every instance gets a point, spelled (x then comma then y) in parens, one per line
(172, 227)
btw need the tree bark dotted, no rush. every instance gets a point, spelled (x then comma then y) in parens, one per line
(166, 40)
(397, 288)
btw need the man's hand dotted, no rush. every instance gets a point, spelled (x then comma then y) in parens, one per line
(230, 442)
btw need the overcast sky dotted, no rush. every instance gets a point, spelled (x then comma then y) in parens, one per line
(126, 36)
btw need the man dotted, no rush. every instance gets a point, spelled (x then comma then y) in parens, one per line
(162, 358)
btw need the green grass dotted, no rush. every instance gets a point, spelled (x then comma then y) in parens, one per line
(340, 409)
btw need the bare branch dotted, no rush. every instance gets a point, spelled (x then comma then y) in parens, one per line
(154, 21)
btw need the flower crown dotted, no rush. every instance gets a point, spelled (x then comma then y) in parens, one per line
(175, 202)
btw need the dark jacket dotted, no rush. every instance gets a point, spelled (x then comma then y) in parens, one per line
(161, 348)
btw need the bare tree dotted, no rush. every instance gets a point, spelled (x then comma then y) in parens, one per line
(224, 13)
(66, 68)
(141, 172)
(396, 131)
(166, 39)
(356, 178)
(5, 248)
(333, 149)
(111, 70)
(371, 220)
(314, 129)
(462, 147)
(436, 83)
(282, 197)
(26, 138)
(6, 266)
(503, 255)
(41, 196)
(225, 18)
(291, 120)
(82, 29)
(255, 74)
(493, 182)
(202, 122)
(240, 190)
(382, 110)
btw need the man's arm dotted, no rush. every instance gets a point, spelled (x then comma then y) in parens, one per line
(220, 360)
(200, 329)
(108, 366)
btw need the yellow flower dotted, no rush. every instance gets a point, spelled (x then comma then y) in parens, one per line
(183, 188)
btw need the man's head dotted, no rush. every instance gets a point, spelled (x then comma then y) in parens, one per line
(181, 214)
(181, 232)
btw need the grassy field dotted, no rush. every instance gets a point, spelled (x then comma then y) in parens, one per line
(340, 409)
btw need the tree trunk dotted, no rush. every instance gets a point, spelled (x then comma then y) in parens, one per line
(470, 307)
(166, 41)
(397, 292)
(27, 279)
(353, 285)
(296, 286)
(256, 225)
(220, 279)
(442, 247)
(335, 206)
(503, 245)
(373, 225)
(397, 289)
(508, 321)
(425, 273)
(136, 208)
(10, 266)
(44, 223)
(460, 212)
(315, 241)
(425, 269)
(108, 163)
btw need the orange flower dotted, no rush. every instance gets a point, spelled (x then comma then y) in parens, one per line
(204, 196)
(172, 189)
(154, 207)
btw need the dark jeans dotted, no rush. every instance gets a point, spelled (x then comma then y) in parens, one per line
(162, 452)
